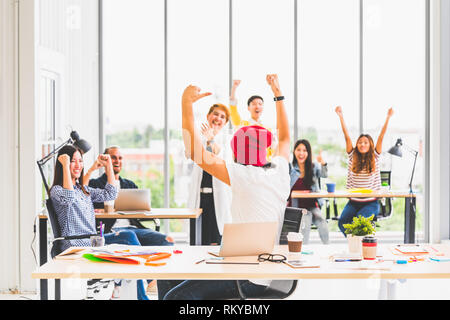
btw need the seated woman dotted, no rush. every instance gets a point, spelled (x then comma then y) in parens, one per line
(305, 175)
(73, 202)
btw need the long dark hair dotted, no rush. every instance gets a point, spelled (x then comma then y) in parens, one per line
(309, 166)
(58, 177)
(364, 162)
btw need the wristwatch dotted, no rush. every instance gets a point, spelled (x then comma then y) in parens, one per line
(278, 98)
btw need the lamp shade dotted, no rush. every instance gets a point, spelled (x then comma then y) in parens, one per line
(396, 150)
(81, 144)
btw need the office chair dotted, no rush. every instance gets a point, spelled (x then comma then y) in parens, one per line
(385, 211)
(327, 206)
(385, 203)
(56, 243)
(94, 286)
(281, 289)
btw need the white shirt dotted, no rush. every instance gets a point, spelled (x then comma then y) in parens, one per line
(120, 223)
(259, 194)
(221, 191)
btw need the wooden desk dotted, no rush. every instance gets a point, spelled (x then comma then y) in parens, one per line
(410, 205)
(195, 231)
(183, 266)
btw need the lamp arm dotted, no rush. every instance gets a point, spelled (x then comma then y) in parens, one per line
(414, 152)
(55, 151)
(44, 160)
(412, 174)
(43, 177)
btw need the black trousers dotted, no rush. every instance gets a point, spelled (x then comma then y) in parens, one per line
(210, 232)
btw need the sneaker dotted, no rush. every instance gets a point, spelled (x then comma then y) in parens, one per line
(116, 292)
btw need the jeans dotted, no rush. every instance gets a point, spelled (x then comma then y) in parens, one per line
(147, 237)
(129, 238)
(355, 209)
(206, 289)
(314, 216)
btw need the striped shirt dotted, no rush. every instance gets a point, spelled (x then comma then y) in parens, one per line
(75, 211)
(364, 179)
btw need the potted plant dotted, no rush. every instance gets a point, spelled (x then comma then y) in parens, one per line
(356, 230)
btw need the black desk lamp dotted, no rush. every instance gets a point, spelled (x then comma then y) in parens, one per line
(396, 150)
(74, 139)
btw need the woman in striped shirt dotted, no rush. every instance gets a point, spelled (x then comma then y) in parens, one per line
(363, 171)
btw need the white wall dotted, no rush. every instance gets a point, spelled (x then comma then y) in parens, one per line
(439, 121)
(444, 230)
(67, 46)
(9, 230)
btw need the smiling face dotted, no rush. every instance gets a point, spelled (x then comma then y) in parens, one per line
(116, 159)
(256, 107)
(363, 145)
(76, 165)
(216, 119)
(301, 153)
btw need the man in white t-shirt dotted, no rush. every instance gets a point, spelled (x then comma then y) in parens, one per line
(259, 189)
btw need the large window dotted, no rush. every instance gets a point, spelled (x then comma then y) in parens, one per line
(365, 56)
(133, 89)
(328, 73)
(263, 43)
(47, 110)
(394, 76)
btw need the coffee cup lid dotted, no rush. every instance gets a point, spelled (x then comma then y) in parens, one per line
(295, 236)
(369, 239)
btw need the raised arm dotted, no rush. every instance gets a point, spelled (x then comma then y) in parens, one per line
(379, 145)
(348, 140)
(64, 159)
(103, 160)
(87, 175)
(192, 141)
(234, 114)
(282, 120)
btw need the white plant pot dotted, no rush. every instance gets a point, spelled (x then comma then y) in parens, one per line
(355, 244)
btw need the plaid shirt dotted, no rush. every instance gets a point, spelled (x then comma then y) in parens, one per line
(75, 211)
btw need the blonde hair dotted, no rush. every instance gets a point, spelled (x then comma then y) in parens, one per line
(221, 107)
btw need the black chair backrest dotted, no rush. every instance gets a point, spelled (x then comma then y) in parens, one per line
(385, 204)
(56, 229)
(281, 289)
(291, 223)
(385, 178)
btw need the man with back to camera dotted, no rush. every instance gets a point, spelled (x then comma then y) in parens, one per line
(259, 189)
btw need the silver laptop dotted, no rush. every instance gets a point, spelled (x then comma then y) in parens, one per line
(247, 239)
(133, 200)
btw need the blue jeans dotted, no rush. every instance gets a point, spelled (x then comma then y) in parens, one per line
(147, 237)
(206, 289)
(356, 209)
(314, 216)
(129, 238)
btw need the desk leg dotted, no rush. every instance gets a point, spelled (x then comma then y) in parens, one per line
(195, 231)
(57, 289)
(43, 255)
(410, 220)
(388, 289)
